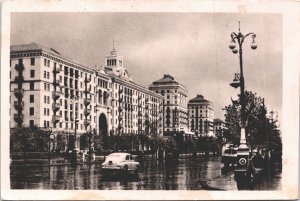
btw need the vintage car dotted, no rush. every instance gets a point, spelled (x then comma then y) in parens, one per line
(229, 155)
(120, 162)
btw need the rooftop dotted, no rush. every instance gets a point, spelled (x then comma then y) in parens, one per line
(199, 99)
(37, 47)
(218, 120)
(166, 80)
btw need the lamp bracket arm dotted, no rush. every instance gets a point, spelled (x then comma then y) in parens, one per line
(249, 34)
(234, 36)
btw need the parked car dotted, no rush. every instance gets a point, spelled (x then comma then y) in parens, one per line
(120, 162)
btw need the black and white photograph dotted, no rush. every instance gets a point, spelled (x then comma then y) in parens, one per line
(150, 101)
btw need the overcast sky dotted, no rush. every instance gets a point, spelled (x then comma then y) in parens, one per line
(193, 47)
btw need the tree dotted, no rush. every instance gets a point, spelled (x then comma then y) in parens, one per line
(29, 139)
(258, 127)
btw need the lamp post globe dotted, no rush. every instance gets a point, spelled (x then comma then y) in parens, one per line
(232, 45)
(235, 51)
(253, 45)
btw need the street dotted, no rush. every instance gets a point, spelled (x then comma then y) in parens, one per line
(186, 173)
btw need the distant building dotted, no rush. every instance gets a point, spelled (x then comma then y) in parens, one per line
(175, 103)
(219, 126)
(50, 90)
(201, 116)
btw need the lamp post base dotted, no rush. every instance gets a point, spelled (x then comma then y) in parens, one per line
(242, 156)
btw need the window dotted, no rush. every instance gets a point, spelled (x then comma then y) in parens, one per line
(48, 63)
(31, 85)
(45, 86)
(48, 75)
(45, 62)
(45, 74)
(31, 111)
(31, 123)
(48, 99)
(45, 112)
(45, 99)
(32, 72)
(31, 98)
(32, 61)
(45, 124)
(48, 112)
(48, 87)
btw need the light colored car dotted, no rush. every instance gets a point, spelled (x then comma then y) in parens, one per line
(120, 161)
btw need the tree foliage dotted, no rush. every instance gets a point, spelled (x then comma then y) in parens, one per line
(34, 139)
(259, 127)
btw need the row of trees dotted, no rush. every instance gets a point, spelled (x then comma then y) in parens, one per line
(261, 127)
(42, 140)
(141, 142)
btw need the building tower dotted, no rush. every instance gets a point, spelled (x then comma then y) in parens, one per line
(175, 103)
(135, 109)
(201, 116)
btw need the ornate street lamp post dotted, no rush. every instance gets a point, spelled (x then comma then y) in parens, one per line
(243, 150)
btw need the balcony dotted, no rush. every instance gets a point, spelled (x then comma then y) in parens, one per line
(56, 94)
(87, 101)
(147, 100)
(19, 78)
(88, 90)
(140, 113)
(140, 97)
(19, 105)
(87, 122)
(19, 93)
(120, 118)
(56, 106)
(87, 112)
(56, 82)
(87, 79)
(120, 90)
(19, 67)
(18, 118)
(121, 99)
(55, 118)
(56, 70)
(120, 109)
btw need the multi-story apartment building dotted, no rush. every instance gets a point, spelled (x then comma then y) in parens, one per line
(201, 116)
(53, 91)
(175, 103)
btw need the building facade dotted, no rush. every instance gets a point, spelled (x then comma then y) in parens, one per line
(50, 90)
(135, 109)
(201, 116)
(175, 103)
(219, 126)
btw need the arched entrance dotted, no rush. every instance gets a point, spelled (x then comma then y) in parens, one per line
(103, 130)
(102, 125)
